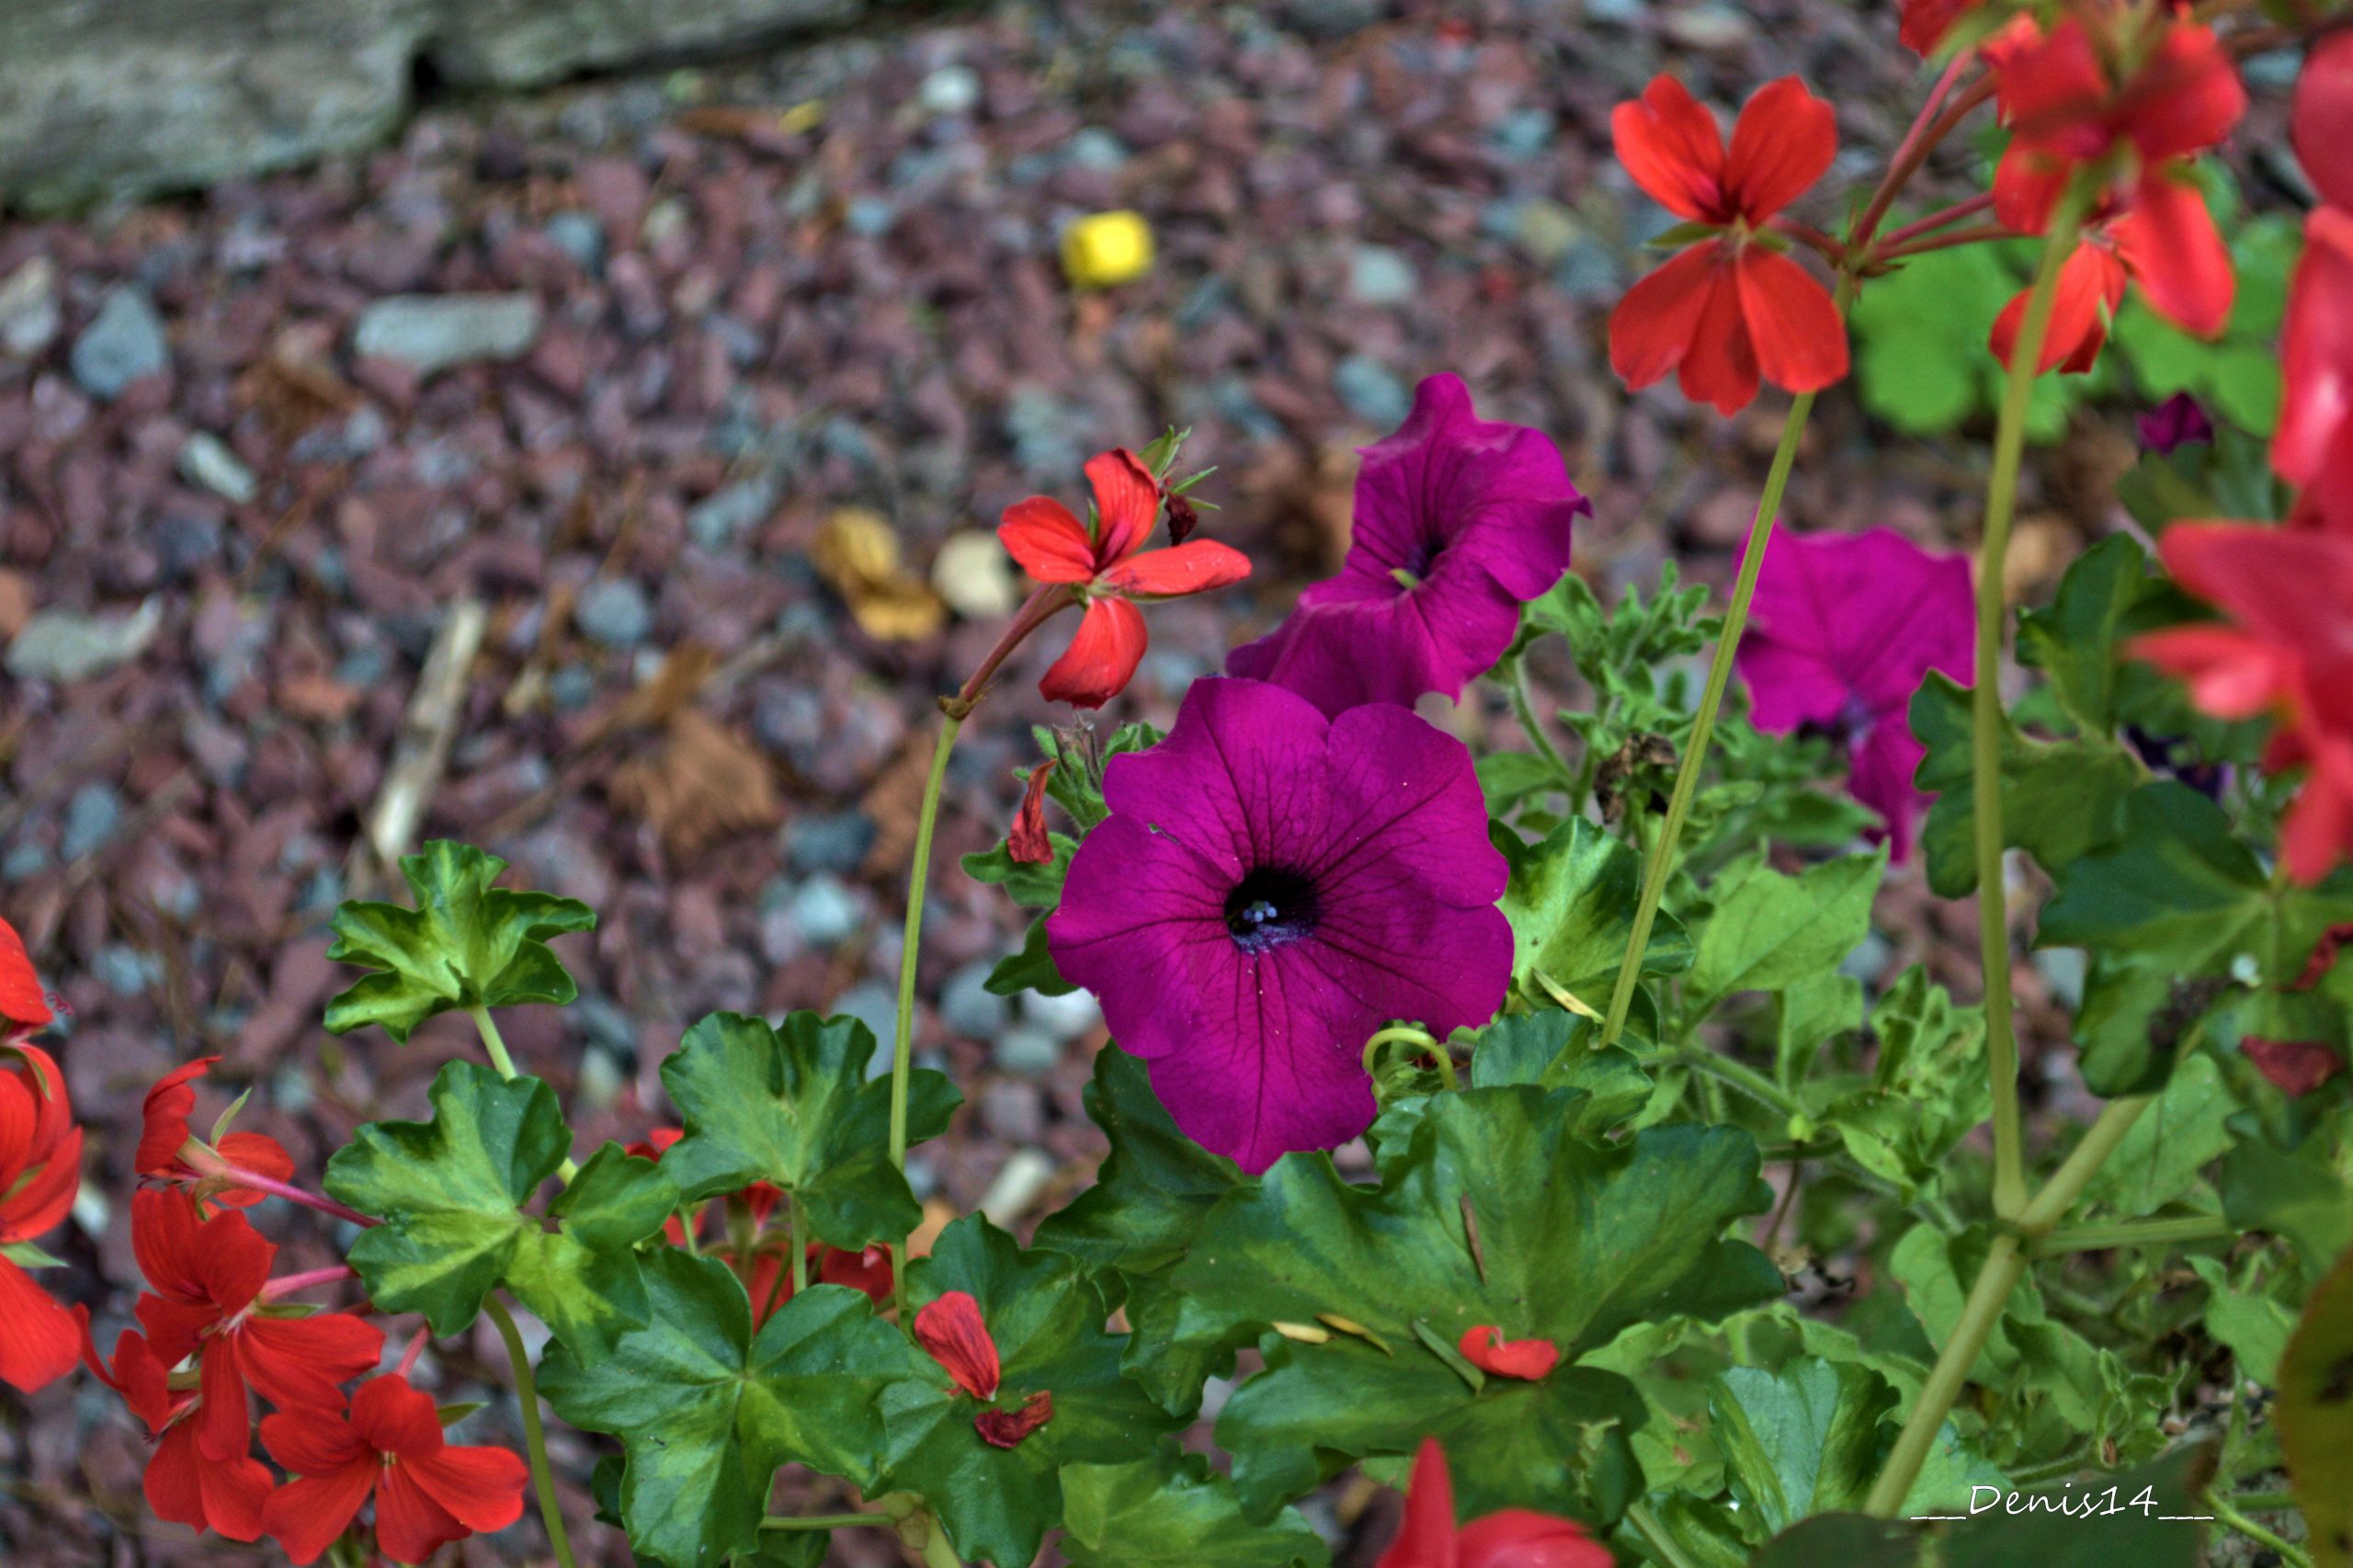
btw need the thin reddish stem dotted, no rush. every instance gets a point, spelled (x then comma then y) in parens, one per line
(1914, 151)
(254, 1181)
(416, 1349)
(1045, 601)
(1939, 219)
(285, 1285)
(1946, 241)
(1806, 234)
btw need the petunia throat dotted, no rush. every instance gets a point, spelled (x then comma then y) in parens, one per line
(1270, 907)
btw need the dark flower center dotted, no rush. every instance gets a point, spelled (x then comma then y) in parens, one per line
(1852, 723)
(1271, 905)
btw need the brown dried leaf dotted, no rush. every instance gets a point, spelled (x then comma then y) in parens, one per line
(702, 783)
(857, 555)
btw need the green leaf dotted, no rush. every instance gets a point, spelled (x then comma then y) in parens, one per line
(450, 1192)
(1048, 1324)
(706, 1411)
(2304, 1193)
(2315, 1415)
(1031, 886)
(2255, 1328)
(1571, 903)
(2177, 900)
(2060, 799)
(466, 944)
(1927, 1091)
(2140, 1528)
(1031, 968)
(1771, 931)
(1173, 1511)
(2074, 641)
(1801, 1441)
(793, 1106)
(1635, 1226)
(2161, 1156)
(1144, 1209)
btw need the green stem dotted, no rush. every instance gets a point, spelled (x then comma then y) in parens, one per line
(2005, 1263)
(1747, 1080)
(535, 1436)
(796, 1238)
(824, 1521)
(937, 1552)
(2136, 1232)
(1703, 722)
(495, 1044)
(903, 1043)
(2292, 1555)
(1413, 1036)
(2263, 1502)
(1655, 1536)
(1985, 705)
(1523, 707)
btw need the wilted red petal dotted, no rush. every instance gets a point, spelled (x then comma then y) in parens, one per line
(2317, 350)
(950, 1328)
(1181, 569)
(165, 1112)
(1028, 843)
(2321, 124)
(22, 1003)
(39, 1340)
(1485, 1348)
(868, 1270)
(2090, 288)
(1127, 500)
(1793, 326)
(1102, 656)
(1671, 145)
(1426, 1537)
(2294, 1066)
(2322, 957)
(1782, 142)
(2169, 243)
(1007, 1429)
(1652, 329)
(1050, 543)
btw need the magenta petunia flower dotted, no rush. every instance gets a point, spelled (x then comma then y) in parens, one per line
(1458, 521)
(1269, 889)
(1842, 630)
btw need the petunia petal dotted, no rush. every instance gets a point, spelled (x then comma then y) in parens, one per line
(1672, 146)
(1783, 142)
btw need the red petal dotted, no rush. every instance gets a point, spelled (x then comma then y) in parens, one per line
(2027, 183)
(223, 1418)
(300, 1363)
(1652, 329)
(1050, 545)
(2316, 348)
(1029, 844)
(1007, 1428)
(950, 1328)
(1782, 142)
(165, 1112)
(171, 1485)
(1926, 22)
(1799, 342)
(2321, 122)
(482, 1488)
(2294, 1067)
(410, 1526)
(306, 1515)
(2169, 243)
(1485, 1348)
(235, 1492)
(2317, 832)
(42, 1204)
(136, 1375)
(314, 1442)
(1181, 569)
(22, 1001)
(1518, 1537)
(2090, 286)
(1670, 143)
(2050, 86)
(1426, 1537)
(869, 1271)
(1102, 656)
(1127, 502)
(2230, 675)
(2186, 97)
(39, 1340)
(1721, 369)
(259, 1154)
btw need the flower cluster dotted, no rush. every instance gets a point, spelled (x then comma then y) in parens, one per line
(40, 1170)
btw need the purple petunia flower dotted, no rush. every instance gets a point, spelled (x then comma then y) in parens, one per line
(1843, 630)
(1458, 521)
(1269, 889)
(2179, 421)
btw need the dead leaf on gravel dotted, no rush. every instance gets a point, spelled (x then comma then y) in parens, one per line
(857, 555)
(700, 784)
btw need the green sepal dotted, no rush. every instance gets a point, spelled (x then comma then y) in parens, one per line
(706, 1409)
(793, 1106)
(1047, 1320)
(466, 944)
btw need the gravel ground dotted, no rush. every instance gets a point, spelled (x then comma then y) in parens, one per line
(240, 496)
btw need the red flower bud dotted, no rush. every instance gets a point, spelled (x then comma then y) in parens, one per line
(951, 1329)
(1007, 1429)
(1028, 843)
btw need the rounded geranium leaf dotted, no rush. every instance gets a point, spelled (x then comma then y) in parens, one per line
(1173, 1511)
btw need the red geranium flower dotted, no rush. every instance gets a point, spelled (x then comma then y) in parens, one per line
(1485, 1348)
(1733, 307)
(427, 1492)
(1926, 22)
(2321, 124)
(2091, 286)
(40, 1170)
(181, 1484)
(206, 1299)
(2289, 651)
(2313, 447)
(2158, 88)
(169, 1151)
(24, 1008)
(1105, 572)
(1028, 843)
(1516, 1538)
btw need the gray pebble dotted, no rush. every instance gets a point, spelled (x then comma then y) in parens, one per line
(1014, 1112)
(952, 89)
(206, 459)
(1065, 1018)
(1381, 276)
(831, 841)
(614, 612)
(825, 910)
(967, 1005)
(1373, 392)
(1025, 1050)
(434, 332)
(875, 1005)
(578, 236)
(91, 817)
(124, 343)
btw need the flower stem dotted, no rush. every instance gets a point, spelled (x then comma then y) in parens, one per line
(2290, 1554)
(1703, 722)
(937, 1552)
(903, 1042)
(796, 1238)
(2004, 1265)
(1918, 143)
(535, 1436)
(1975, 233)
(285, 1285)
(2136, 1232)
(496, 1044)
(1655, 1536)
(254, 1181)
(1985, 705)
(1747, 1080)
(824, 1521)
(1937, 220)
(1523, 707)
